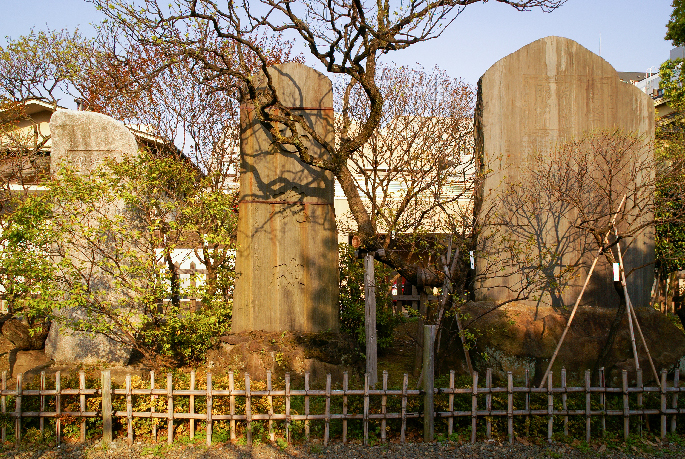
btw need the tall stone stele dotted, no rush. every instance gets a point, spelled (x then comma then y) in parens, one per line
(287, 255)
(530, 102)
(83, 141)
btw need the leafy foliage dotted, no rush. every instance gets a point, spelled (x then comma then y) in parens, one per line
(676, 24)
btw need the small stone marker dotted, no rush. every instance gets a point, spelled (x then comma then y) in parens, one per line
(287, 255)
(83, 141)
(547, 93)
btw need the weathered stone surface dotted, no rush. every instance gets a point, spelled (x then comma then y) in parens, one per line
(83, 141)
(20, 335)
(516, 337)
(550, 92)
(66, 346)
(287, 256)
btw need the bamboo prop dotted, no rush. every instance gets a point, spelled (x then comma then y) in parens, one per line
(627, 298)
(575, 306)
(631, 312)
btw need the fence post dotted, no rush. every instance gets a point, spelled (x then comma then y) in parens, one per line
(17, 409)
(106, 377)
(428, 382)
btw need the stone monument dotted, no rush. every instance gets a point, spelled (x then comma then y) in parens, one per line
(547, 93)
(83, 141)
(287, 255)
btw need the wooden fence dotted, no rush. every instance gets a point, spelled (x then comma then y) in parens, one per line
(488, 405)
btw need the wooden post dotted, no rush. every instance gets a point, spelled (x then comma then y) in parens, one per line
(488, 403)
(527, 382)
(674, 403)
(626, 406)
(510, 407)
(270, 402)
(663, 403)
(82, 402)
(403, 430)
(564, 405)
(640, 386)
(106, 377)
(603, 400)
(58, 407)
(41, 421)
(344, 408)
(248, 410)
(328, 409)
(306, 406)
(191, 408)
(170, 408)
(129, 410)
(209, 409)
(370, 319)
(474, 406)
(153, 402)
(429, 382)
(231, 401)
(384, 402)
(3, 406)
(17, 409)
(366, 409)
(550, 408)
(287, 406)
(450, 420)
(588, 406)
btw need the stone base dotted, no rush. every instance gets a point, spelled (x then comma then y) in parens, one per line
(257, 352)
(66, 346)
(516, 337)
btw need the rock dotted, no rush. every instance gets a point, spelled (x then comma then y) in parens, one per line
(19, 334)
(84, 141)
(516, 337)
(66, 346)
(530, 103)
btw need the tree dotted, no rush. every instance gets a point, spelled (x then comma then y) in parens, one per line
(676, 24)
(36, 68)
(347, 39)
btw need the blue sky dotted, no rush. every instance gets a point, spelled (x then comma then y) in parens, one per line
(632, 31)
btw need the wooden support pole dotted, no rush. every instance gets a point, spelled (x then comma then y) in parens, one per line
(129, 411)
(674, 403)
(344, 408)
(450, 420)
(170, 408)
(106, 377)
(370, 319)
(17, 409)
(82, 402)
(306, 406)
(488, 403)
(270, 403)
(209, 409)
(231, 401)
(626, 405)
(510, 407)
(366, 409)
(429, 332)
(384, 402)
(403, 429)
(327, 427)
(153, 402)
(550, 409)
(248, 410)
(663, 404)
(588, 406)
(287, 407)
(41, 421)
(564, 397)
(191, 407)
(474, 406)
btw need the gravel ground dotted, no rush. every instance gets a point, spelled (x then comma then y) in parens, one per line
(489, 450)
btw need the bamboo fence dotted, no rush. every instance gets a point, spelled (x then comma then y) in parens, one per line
(202, 412)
